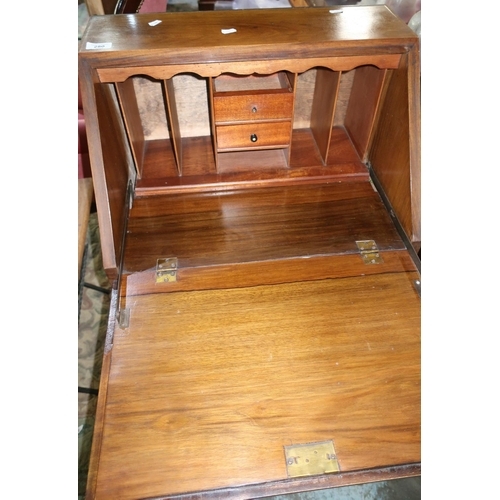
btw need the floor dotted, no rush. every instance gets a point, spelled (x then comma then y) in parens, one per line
(94, 301)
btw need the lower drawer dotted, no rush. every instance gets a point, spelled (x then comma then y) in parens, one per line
(254, 135)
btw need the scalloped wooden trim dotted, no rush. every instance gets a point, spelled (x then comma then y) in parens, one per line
(343, 63)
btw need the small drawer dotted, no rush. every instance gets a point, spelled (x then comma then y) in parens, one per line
(254, 135)
(253, 107)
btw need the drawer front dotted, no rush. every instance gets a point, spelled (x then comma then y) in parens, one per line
(254, 135)
(253, 106)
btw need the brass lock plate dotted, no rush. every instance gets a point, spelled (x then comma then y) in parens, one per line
(311, 459)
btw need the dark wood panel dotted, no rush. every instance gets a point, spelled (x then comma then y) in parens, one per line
(131, 117)
(173, 122)
(110, 171)
(115, 160)
(206, 388)
(160, 162)
(253, 164)
(323, 108)
(363, 107)
(415, 141)
(341, 151)
(184, 204)
(257, 225)
(392, 165)
(398, 168)
(359, 30)
(343, 97)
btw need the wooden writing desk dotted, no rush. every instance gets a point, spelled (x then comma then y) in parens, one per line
(265, 331)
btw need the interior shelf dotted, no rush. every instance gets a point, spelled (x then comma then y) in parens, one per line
(254, 129)
(159, 172)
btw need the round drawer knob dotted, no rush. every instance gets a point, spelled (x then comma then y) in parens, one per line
(253, 137)
(254, 109)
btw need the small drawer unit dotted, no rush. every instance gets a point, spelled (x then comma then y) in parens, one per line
(253, 112)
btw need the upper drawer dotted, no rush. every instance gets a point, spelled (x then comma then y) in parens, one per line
(253, 106)
(252, 98)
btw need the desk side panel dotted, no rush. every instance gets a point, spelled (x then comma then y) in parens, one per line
(111, 164)
(395, 153)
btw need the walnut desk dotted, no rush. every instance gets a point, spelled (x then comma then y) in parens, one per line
(257, 181)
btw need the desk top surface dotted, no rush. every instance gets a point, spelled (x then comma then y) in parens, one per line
(265, 33)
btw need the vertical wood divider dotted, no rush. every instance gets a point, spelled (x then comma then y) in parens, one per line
(173, 122)
(292, 79)
(211, 85)
(362, 109)
(326, 91)
(132, 120)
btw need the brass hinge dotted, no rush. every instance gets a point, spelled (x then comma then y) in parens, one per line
(369, 252)
(166, 270)
(311, 459)
(123, 318)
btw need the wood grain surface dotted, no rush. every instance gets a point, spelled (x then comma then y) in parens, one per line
(132, 120)
(255, 225)
(398, 169)
(265, 41)
(323, 108)
(276, 332)
(199, 170)
(259, 33)
(206, 387)
(363, 106)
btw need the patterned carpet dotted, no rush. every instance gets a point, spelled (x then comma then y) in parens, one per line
(93, 316)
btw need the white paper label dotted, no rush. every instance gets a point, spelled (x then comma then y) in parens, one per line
(91, 45)
(228, 31)
(154, 23)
